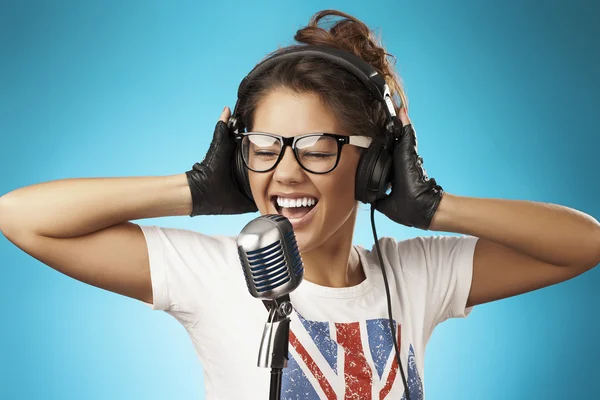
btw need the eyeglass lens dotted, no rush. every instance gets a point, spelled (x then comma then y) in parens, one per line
(315, 153)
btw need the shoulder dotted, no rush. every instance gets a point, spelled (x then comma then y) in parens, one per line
(184, 235)
(419, 251)
(187, 243)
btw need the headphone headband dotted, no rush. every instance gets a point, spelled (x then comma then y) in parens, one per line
(353, 64)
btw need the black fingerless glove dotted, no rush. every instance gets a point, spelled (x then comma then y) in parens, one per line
(213, 186)
(415, 197)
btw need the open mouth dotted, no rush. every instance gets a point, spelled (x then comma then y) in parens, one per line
(294, 209)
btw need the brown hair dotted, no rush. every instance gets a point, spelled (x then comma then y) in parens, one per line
(351, 102)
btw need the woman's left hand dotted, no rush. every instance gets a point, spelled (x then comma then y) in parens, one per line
(414, 197)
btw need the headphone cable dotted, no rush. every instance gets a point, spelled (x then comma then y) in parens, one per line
(389, 302)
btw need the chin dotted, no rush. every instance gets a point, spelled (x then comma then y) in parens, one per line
(305, 241)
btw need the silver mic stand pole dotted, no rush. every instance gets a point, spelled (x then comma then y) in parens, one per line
(273, 352)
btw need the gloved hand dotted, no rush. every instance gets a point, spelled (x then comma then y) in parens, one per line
(214, 189)
(414, 197)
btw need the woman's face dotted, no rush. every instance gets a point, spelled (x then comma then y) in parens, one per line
(286, 113)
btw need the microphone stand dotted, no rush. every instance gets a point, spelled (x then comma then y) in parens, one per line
(273, 352)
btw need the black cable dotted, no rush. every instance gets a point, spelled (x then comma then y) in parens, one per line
(389, 302)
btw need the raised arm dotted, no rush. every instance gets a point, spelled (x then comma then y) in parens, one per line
(80, 226)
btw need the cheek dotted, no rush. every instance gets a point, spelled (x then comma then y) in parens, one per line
(341, 187)
(347, 169)
(258, 186)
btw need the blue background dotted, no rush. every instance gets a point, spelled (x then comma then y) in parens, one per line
(504, 96)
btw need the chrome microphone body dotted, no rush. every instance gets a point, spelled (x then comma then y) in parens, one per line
(273, 268)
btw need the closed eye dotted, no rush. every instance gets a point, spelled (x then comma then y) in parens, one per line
(318, 155)
(264, 153)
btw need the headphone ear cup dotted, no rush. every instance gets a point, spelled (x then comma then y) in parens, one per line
(373, 174)
(240, 174)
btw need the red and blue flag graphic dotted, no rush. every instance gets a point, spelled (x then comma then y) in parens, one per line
(349, 360)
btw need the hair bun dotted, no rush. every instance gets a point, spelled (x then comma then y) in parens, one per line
(352, 35)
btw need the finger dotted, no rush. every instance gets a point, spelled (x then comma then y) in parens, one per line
(225, 114)
(221, 144)
(409, 140)
(404, 117)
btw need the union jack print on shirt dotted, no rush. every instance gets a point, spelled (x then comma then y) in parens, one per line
(349, 360)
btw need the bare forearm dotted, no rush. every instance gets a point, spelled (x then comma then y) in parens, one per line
(75, 207)
(552, 233)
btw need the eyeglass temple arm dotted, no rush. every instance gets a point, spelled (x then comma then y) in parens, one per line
(360, 141)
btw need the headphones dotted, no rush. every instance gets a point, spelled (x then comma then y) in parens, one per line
(373, 174)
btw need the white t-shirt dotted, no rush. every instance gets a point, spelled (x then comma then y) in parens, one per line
(340, 343)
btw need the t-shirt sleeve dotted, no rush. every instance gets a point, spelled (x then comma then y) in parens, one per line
(449, 265)
(437, 272)
(185, 268)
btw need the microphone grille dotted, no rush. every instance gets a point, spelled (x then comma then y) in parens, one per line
(270, 257)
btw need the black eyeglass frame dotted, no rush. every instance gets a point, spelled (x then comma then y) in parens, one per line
(354, 140)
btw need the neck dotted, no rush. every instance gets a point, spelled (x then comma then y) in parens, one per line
(334, 263)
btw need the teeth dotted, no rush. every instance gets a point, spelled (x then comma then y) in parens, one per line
(302, 202)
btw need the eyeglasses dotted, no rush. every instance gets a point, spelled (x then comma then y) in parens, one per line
(317, 153)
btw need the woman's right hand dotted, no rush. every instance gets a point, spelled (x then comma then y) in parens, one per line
(214, 189)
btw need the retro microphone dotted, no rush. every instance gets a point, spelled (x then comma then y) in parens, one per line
(273, 269)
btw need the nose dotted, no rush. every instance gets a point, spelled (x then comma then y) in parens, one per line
(288, 171)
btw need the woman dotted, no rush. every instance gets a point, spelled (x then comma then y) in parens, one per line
(340, 344)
